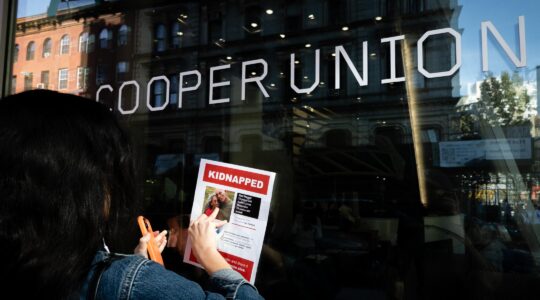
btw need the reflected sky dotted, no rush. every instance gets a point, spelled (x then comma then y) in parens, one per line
(504, 15)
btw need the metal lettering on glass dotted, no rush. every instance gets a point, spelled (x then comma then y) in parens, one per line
(340, 52)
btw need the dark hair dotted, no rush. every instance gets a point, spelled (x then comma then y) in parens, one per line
(66, 183)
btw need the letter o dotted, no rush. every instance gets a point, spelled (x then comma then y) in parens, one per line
(120, 109)
(162, 107)
(420, 56)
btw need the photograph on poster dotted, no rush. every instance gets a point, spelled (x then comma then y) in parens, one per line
(218, 198)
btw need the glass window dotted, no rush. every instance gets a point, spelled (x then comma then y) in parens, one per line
(123, 35)
(102, 74)
(13, 84)
(176, 35)
(122, 68)
(82, 77)
(160, 38)
(62, 79)
(158, 93)
(47, 46)
(16, 53)
(83, 42)
(173, 92)
(91, 42)
(30, 50)
(405, 134)
(105, 37)
(28, 80)
(64, 44)
(44, 80)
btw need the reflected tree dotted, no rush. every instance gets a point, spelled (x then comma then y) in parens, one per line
(503, 102)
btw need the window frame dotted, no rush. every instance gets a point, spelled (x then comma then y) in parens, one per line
(65, 43)
(61, 80)
(30, 50)
(47, 48)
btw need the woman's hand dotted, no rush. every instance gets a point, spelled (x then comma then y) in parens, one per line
(203, 242)
(159, 238)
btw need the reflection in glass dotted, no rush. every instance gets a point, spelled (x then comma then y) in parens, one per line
(391, 184)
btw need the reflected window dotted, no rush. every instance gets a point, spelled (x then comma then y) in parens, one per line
(28, 78)
(101, 74)
(430, 135)
(160, 36)
(47, 46)
(158, 93)
(16, 53)
(82, 77)
(123, 35)
(62, 79)
(83, 42)
(173, 94)
(122, 68)
(30, 50)
(176, 35)
(44, 80)
(91, 43)
(13, 85)
(105, 37)
(64, 44)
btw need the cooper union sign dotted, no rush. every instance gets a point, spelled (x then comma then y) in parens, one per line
(340, 56)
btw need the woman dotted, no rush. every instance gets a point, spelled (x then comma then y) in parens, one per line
(212, 204)
(67, 189)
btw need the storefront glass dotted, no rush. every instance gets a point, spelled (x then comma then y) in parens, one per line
(403, 133)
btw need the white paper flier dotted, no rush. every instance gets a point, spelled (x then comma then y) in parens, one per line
(243, 196)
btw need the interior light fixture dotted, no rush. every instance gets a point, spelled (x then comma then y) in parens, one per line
(269, 11)
(345, 28)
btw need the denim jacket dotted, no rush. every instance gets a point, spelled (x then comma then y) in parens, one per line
(135, 277)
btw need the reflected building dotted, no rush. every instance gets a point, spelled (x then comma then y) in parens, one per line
(300, 88)
(73, 51)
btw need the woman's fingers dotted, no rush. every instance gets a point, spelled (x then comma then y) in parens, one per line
(203, 241)
(214, 214)
(161, 240)
(142, 247)
(220, 223)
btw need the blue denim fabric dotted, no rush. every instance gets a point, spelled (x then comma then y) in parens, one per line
(135, 277)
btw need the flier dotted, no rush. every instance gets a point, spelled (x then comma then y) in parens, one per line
(243, 196)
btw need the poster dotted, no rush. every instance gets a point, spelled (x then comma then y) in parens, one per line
(243, 196)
